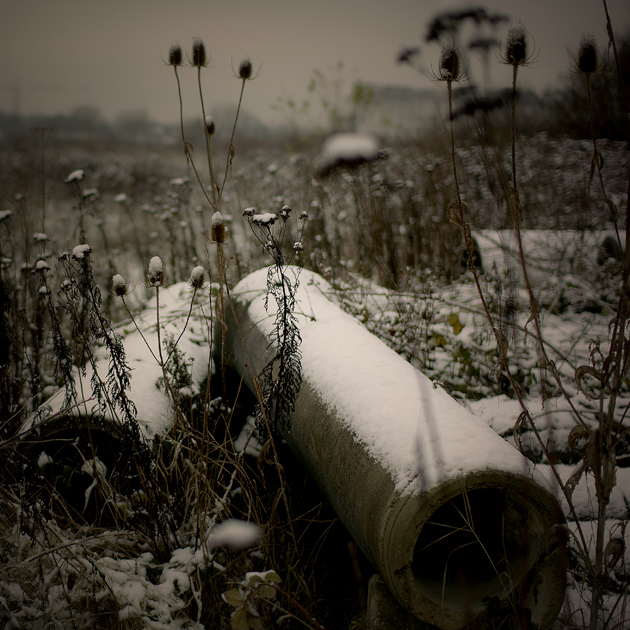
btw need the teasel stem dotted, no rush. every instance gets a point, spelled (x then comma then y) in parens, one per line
(513, 127)
(213, 203)
(181, 114)
(187, 145)
(230, 155)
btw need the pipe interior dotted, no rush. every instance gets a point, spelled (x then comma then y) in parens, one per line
(475, 547)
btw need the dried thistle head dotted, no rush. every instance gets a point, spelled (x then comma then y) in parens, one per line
(199, 58)
(197, 277)
(450, 64)
(587, 61)
(245, 69)
(517, 48)
(156, 272)
(175, 55)
(218, 229)
(119, 286)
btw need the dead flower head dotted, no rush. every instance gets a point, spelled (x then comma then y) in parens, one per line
(517, 47)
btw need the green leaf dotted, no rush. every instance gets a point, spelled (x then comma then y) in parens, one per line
(233, 597)
(456, 325)
(239, 620)
(272, 576)
(266, 591)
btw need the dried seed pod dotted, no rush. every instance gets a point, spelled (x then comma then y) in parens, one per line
(218, 228)
(198, 53)
(197, 277)
(517, 46)
(245, 69)
(156, 272)
(587, 55)
(210, 127)
(119, 286)
(450, 65)
(175, 55)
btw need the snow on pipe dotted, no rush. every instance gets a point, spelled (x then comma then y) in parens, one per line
(454, 519)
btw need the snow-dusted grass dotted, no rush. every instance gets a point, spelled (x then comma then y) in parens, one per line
(380, 235)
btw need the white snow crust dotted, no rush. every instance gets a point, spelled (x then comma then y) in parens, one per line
(416, 430)
(350, 146)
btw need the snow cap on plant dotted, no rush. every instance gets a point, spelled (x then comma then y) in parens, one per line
(199, 58)
(587, 55)
(119, 286)
(75, 176)
(285, 212)
(210, 127)
(156, 272)
(218, 229)
(81, 251)
(41, 266)
(197, 277)
(245, 69)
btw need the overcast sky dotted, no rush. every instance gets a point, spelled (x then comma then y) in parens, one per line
(109, 53)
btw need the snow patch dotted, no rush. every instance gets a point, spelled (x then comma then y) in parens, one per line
(234, 534)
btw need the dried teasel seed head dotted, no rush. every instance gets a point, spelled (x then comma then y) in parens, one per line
(119, 286)
(285, 212)
(156, 272)
(245, 69)
(175, 55)
(198, 53)
(450, 65)
(197, 277)
(587, 55)
(210, 127)
(218, 229)
(517, 46)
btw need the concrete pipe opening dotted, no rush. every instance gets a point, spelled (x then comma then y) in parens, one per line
(474, 547)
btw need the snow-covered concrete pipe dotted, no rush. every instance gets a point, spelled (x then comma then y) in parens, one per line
(454, 519)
